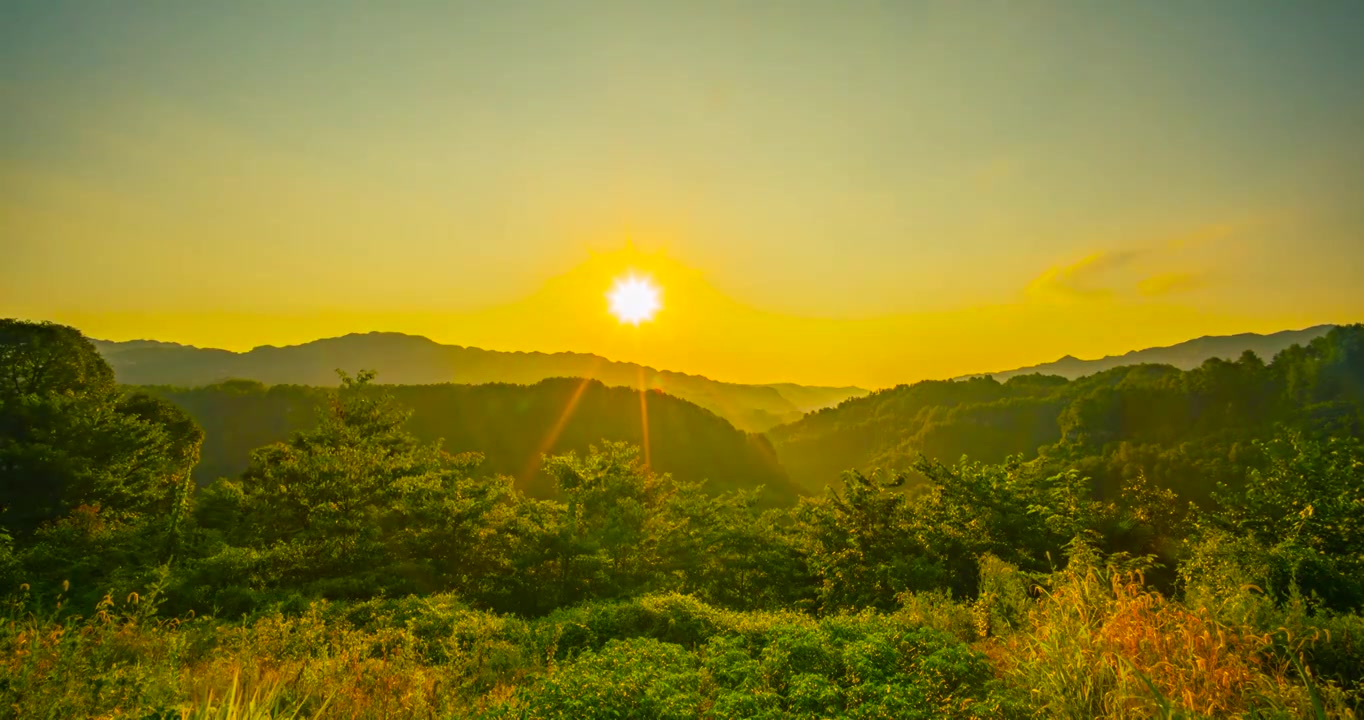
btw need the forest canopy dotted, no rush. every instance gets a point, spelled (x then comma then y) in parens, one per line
(1184, 430)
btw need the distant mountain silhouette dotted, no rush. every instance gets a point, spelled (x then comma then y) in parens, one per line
(414, 360)
(1185, 356)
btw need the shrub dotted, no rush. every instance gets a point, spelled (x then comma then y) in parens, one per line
(638, 678)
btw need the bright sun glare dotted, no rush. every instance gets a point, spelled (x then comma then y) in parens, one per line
(634, 300)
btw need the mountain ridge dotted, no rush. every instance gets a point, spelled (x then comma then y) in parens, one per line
(1184, 355)
(403, 359)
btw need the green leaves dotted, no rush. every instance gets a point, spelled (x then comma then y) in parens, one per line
(41, 359)
(1303, 513)
(765, 666)
(357, 507)
(94, 484)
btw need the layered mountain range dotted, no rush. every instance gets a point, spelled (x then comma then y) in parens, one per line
(414, 360)
(510, 406)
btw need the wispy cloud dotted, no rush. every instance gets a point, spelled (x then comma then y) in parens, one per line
(1170, 283)
(1084, 279)
(1161, 267)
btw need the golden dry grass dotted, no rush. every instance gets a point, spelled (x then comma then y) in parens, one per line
(1102, 644)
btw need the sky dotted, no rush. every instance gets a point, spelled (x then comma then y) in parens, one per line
(825, 192)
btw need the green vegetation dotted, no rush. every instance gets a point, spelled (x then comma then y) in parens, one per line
(510, 426)
(1187, 430)
(356, 568)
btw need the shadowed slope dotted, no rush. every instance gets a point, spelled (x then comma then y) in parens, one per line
(413, 360)
(512, 425)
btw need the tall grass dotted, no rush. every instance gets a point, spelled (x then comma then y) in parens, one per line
(121, 662)
(264, 703)
(1099, 643)
(1092, 643)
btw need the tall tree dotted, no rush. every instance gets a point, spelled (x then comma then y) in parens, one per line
(69, 438)
(358, 506)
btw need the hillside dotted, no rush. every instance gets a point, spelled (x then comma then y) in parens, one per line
(413, 360)
(1185, 356)
(1112, 425)
(512, 425)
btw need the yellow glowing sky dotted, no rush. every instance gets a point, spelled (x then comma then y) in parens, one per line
(825, 192)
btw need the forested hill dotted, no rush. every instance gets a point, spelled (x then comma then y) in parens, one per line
(1185, 356)
(414, 360)
(512, 425)
(1181, 428)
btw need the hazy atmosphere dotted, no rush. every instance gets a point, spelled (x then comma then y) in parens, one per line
(694, 360)
(949, 187)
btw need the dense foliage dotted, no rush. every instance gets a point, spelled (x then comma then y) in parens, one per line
(357, 569)
(1187, 430)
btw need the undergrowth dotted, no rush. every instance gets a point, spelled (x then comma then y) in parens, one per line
(1090, 641)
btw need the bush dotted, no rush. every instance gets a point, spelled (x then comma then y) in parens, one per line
(849, 666)
(672, 618)
(638, 678)
(861, 666)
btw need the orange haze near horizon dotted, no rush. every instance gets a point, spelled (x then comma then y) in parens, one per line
(832, 192)
(701, 330)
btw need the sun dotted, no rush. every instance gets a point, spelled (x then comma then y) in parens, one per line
(634, 300)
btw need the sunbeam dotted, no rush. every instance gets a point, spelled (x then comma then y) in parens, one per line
(644, 417)
(533, 465)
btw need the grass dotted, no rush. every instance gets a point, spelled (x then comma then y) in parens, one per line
(1096, 643)
(1099, 643)
(272, 704)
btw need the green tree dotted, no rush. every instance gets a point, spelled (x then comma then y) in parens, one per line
(865, 544)
(619, 517)
(355, 507)
(94, 483)
(68, 438)
(1305, 507)
(46, 359)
